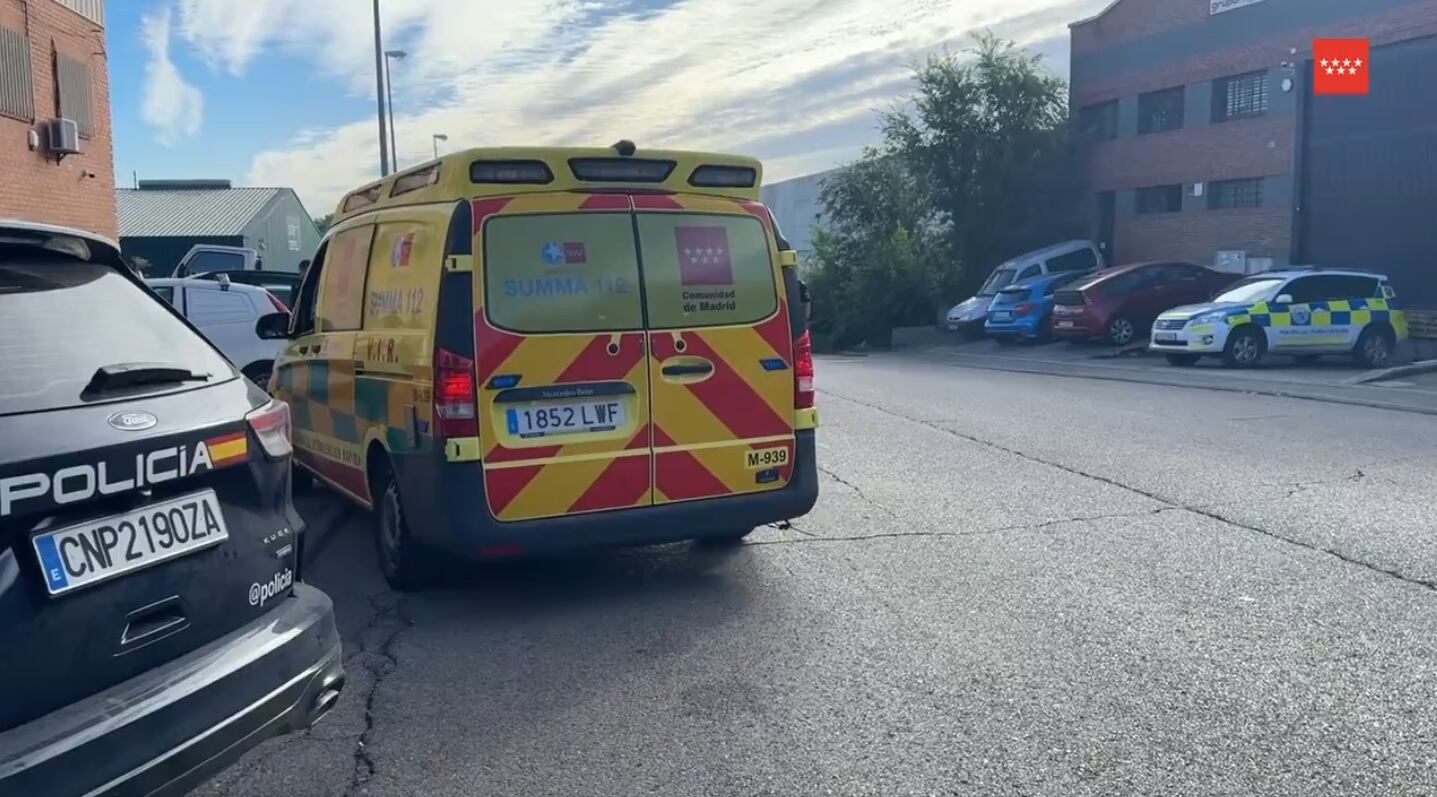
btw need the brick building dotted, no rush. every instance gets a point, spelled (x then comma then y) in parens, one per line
(1207, 144)
(53, 65)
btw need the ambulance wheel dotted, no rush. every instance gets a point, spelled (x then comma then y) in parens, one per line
(402, 562)
(1183, 360)
(1245, 348)
(1374, 348)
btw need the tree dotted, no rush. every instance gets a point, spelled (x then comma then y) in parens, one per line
(878, 264)
(976, 168)
(990, 135)
(322, 223)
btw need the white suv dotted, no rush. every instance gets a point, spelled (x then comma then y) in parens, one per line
(226, 313)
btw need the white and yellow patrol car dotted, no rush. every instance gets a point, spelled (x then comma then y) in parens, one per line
(1304, 312)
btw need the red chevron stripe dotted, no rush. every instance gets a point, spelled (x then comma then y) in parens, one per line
(493, 347)
(501, 454)
(756, 209)
(680, 475)
(622, 483)
(776, 333)
(594, 363)
(656, 202)
(605, 202)
(484, 208)
(641, 439)
(505, 484)
(732, 400)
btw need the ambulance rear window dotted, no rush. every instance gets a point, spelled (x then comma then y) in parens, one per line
(703, 270)
(562, 272)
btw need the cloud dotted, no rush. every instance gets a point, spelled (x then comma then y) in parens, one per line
(172, 106)
(796, 82)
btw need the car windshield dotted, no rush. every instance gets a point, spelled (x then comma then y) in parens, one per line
(1251, 290)
(999, 279)
(62, 319)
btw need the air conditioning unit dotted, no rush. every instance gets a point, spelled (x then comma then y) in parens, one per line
(62, 137)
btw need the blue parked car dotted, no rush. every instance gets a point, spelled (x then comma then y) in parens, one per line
(1025, 311)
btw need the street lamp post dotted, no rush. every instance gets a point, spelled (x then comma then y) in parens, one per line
(389, 97)
(438, 137)
(379, 93)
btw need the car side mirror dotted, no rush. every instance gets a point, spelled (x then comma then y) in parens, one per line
(272, 326)
(1285, 298)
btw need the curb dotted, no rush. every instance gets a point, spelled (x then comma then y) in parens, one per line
(1257, 389)
(1384, 374)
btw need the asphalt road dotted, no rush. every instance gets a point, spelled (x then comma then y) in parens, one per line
(1013, 585)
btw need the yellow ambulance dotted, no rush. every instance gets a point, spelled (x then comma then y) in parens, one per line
(519, 351)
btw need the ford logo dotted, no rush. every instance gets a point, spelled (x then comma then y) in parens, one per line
(132, 421)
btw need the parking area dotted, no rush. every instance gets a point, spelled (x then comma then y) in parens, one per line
(1331, 378)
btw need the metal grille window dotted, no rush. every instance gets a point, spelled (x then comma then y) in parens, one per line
(1099, 122)
(1160, 199)
(1239, 96)
(1224, 194)
(16, 95)
(72, 89)
(1159, 111)
(93, 10)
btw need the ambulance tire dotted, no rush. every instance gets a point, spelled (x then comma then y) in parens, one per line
(1374, 347)
(403, 563)
(1245, 347)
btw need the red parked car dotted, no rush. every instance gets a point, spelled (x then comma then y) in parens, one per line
(1119, 304)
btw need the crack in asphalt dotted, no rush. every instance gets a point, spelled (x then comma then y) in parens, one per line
(1197, 509)
(381, 663)
(855, 488)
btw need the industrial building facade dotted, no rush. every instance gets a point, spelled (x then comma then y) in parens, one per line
(1205, 142)
(53, 67)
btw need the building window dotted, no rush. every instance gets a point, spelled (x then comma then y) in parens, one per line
(1239, 96)
(16, 95)
(73, 94)
(1159, 111)
(93, 10)
(1223, 194)
(1099, 122)
(1160, 199)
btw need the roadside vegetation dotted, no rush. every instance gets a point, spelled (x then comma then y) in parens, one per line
(976, 166)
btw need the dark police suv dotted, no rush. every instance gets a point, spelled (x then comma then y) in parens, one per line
(153, 626)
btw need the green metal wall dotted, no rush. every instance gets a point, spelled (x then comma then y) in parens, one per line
(283, 233)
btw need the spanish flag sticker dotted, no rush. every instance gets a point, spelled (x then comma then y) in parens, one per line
(228, 449)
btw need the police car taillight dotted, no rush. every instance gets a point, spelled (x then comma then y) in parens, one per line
(454, 399)
(803, 371)
(271, 425)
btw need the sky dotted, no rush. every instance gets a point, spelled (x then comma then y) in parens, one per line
(282, 92)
